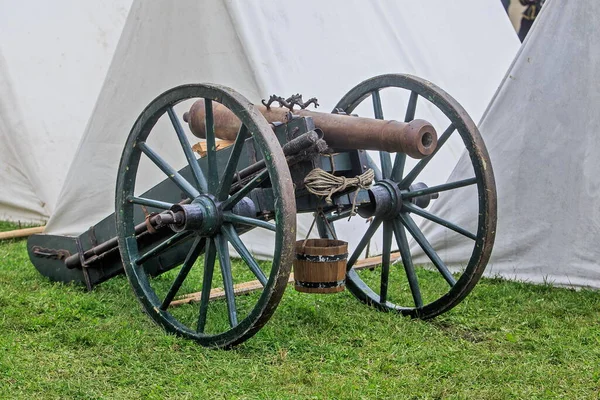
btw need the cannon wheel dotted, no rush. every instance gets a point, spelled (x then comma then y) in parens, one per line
(394, 226)
(209, 189)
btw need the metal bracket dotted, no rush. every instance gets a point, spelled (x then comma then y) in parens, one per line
(84, 267)
(55, 254)
(290, 102)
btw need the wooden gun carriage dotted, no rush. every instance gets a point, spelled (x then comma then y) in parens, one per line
(176, 231)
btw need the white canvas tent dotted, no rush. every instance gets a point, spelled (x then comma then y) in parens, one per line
(542, 130)
(260, 48)
(53, 60)
(56, 57)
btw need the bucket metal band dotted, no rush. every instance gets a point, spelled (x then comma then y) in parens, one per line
(321, 285)
(322, 258)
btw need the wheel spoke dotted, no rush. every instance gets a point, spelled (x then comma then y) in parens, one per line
(425, 214)
(412, 175)
(384, 156)
(225, 263)
(209, 267)
(190, 259)
(149, 202)
(178, 237)
(377, 109)
(240, 194)
(187, 150)
(227, 178)
(169, 171)
(427, 248)
(385, 261)
(211, 149)
(398, 169)
(411, 275)
(386, 164)
(363, 242)
(239, 219)
(234, 239)
(440, 188)
(400, 160)
(412, 107)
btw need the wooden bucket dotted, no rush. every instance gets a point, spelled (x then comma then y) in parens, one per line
(320, 265)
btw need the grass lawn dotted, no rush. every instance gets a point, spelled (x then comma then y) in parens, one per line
(506, 340)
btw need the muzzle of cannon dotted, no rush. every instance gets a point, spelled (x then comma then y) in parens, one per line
(417, 138)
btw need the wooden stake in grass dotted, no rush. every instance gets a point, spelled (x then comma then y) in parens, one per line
(251, 286)
(18, 233)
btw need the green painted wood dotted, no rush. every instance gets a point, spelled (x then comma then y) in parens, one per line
(419, 211)
(460, 122)
(209, 267)
(232, 162)
(426, 246)
(171, 172)
(239, 246)
(253, 184)
(363, 242)
(225, 264)
(187, 150)
(156, 250)
(162, 205)
(240, 219)
(191, 258)
(440, 188)
(211, 148)
(407, 263)
(209, 218)
(385, 261)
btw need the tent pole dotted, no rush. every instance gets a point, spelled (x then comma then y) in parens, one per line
(19, 233)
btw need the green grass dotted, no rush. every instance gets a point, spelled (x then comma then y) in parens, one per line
(506, 340)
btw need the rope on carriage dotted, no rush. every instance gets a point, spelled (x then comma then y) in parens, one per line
(323, 184)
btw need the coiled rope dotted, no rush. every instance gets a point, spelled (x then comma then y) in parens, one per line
(323, 184)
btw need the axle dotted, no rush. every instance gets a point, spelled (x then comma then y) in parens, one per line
(417, 138)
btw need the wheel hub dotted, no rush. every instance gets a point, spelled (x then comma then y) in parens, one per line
(386, 200)
(424, 200)
(204, 215)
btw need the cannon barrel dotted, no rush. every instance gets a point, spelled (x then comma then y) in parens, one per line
(416, 138)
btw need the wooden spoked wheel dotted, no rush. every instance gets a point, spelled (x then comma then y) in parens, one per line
(211, 200)
(376, 287)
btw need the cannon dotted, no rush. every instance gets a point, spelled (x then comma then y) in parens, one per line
(279, 161)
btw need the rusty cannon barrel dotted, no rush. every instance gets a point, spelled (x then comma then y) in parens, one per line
(417, 138)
